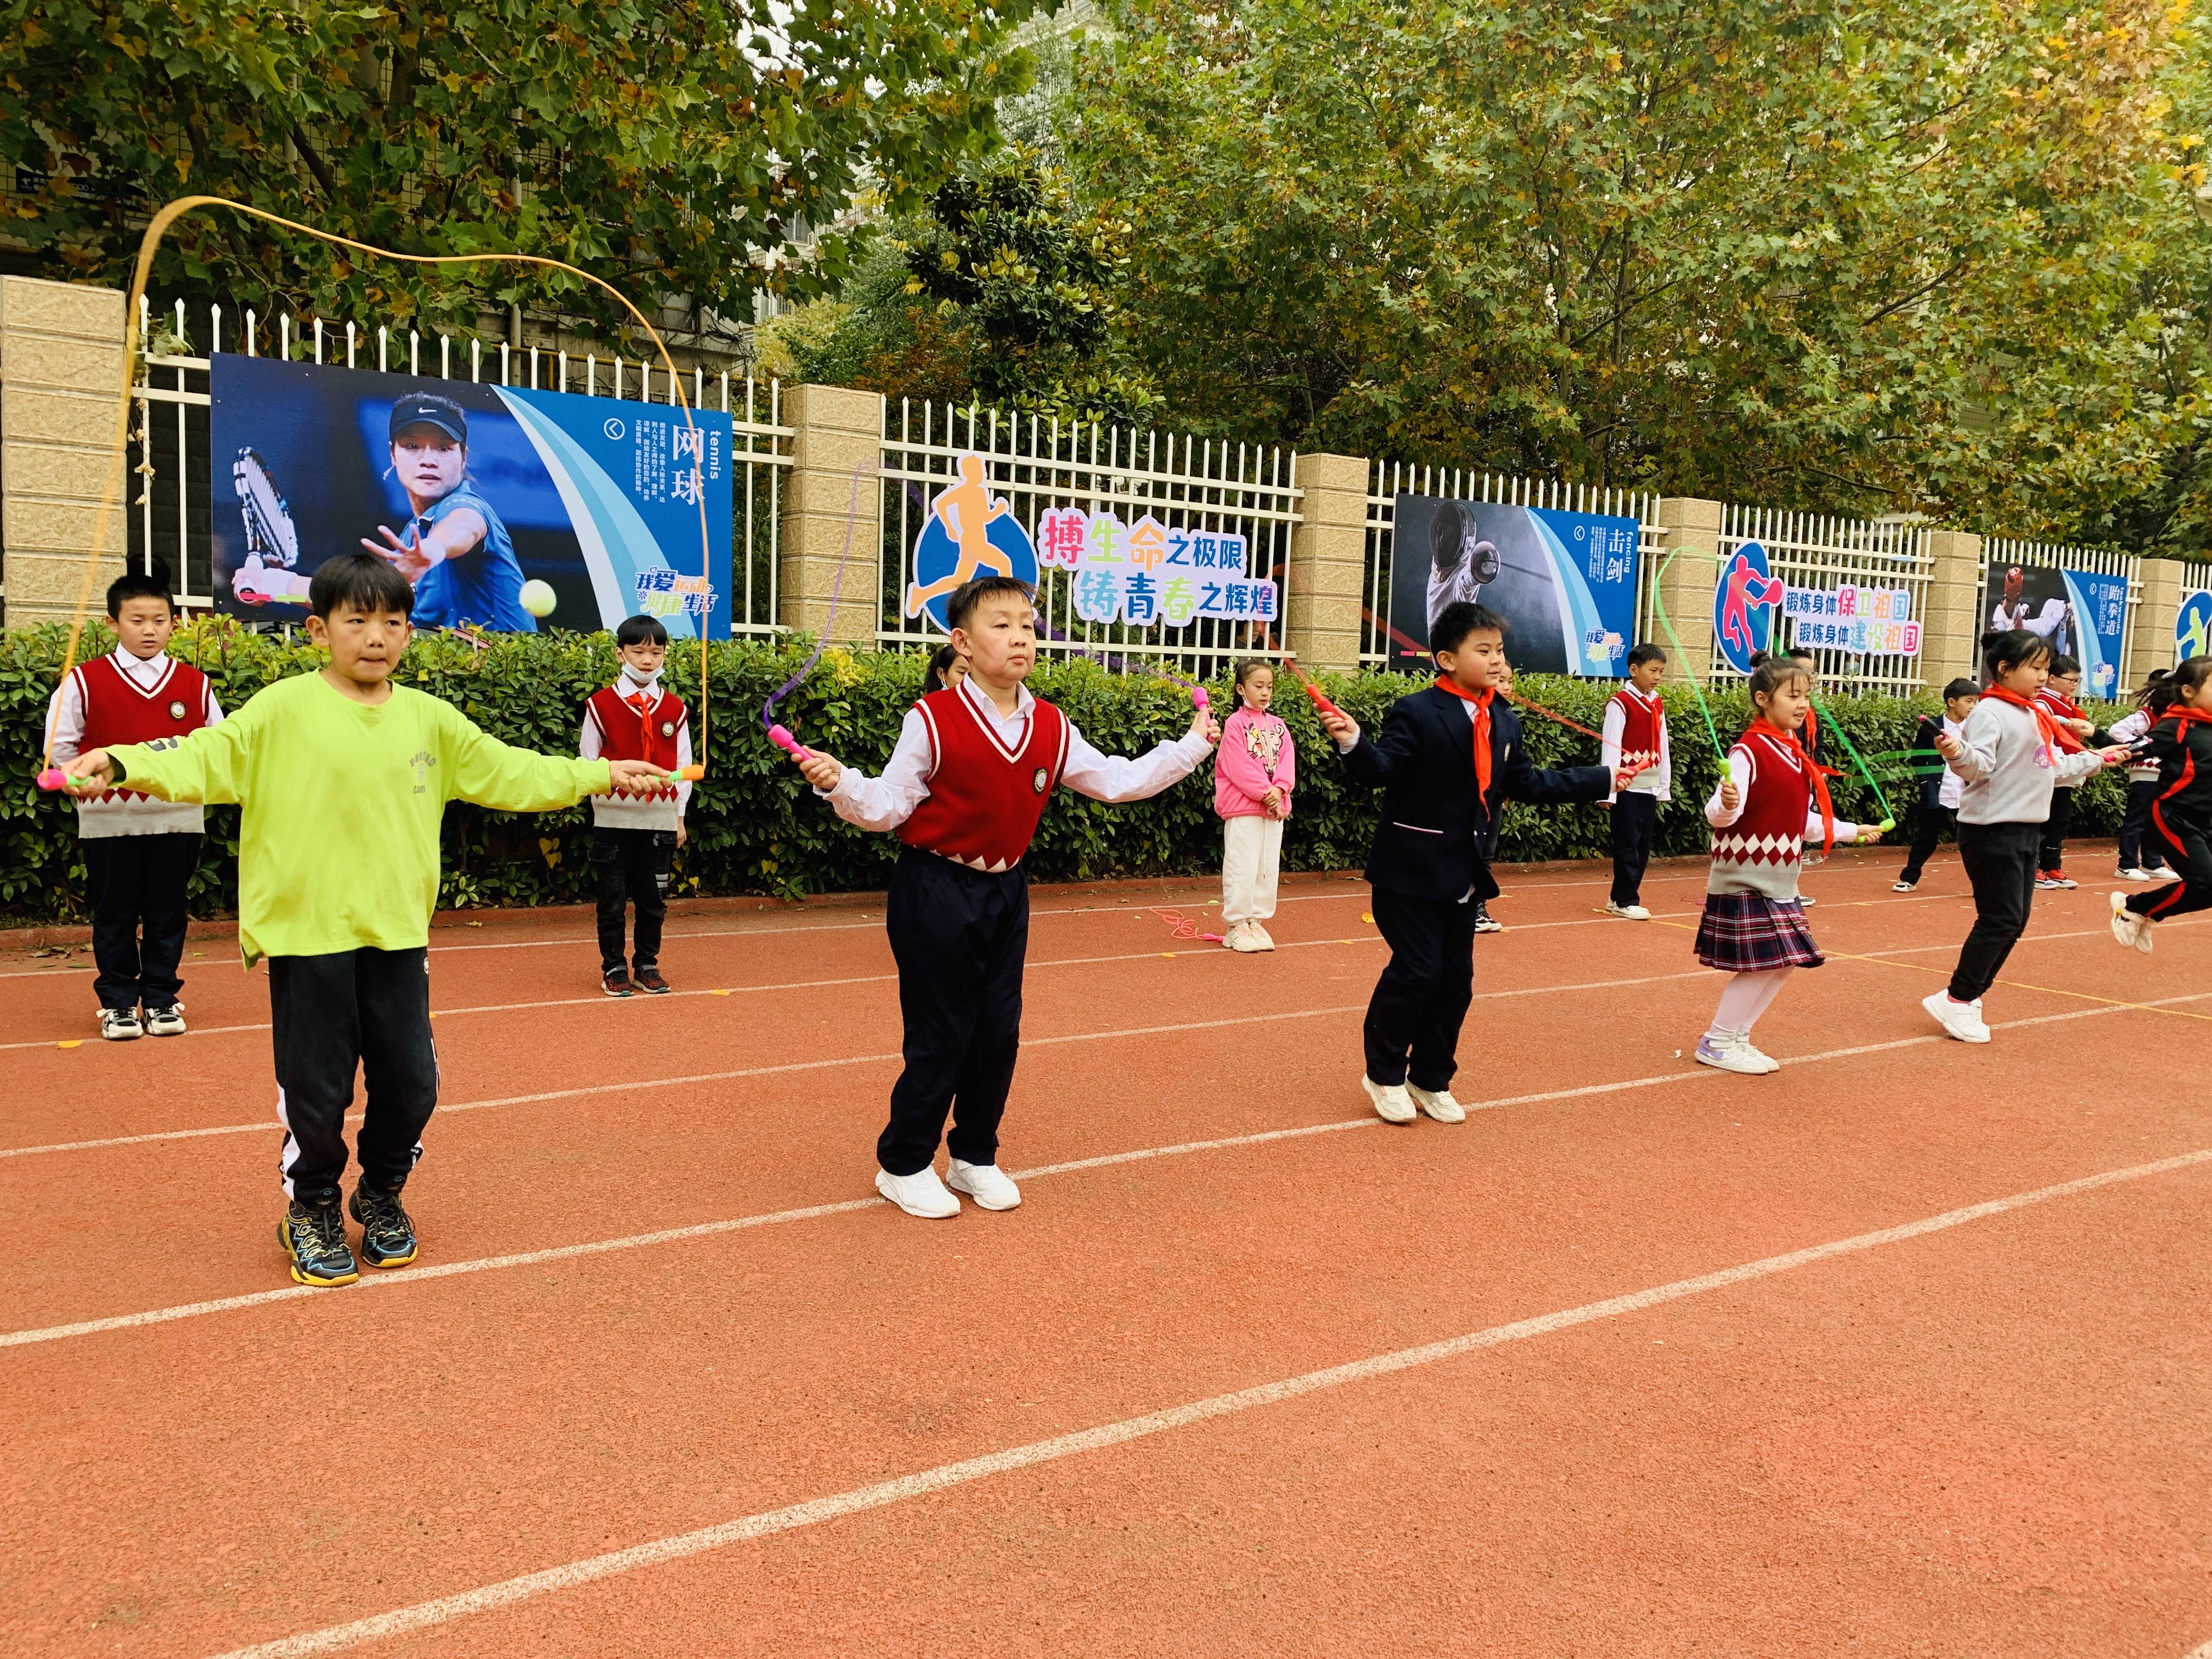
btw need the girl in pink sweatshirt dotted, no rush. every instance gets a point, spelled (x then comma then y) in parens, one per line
(1252, 771)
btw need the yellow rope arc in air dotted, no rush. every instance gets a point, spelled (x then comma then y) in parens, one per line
(111, 495)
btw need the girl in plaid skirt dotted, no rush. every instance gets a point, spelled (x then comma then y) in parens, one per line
(1771, 798)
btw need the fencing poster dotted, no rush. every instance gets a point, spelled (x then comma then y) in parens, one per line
(2082, 613)
(1564, 583)
(472, 491)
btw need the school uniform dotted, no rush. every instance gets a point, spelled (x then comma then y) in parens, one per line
(634, 836)
(2142, 788)
(1634, 734)
(1754, 920)
(965, 789)
(139, 852)
(1430, 863)
(2050, 854)
(1939, 796)
(2181, 816)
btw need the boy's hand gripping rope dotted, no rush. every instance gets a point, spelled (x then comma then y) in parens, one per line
(53, 777)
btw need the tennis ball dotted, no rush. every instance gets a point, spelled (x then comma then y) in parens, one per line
(538, 597)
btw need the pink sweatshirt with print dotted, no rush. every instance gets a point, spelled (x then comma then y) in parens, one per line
(1255, 755)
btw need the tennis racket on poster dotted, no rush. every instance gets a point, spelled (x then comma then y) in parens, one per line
(270, 574)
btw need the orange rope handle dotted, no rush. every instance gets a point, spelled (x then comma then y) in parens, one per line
(111, 495)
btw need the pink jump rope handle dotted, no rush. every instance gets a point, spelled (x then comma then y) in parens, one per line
(782, 738)
(53, 778)
(1199, 700)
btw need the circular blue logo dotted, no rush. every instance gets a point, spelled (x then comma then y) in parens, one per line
(2192, 626)
(968, 532)
(1746, 599)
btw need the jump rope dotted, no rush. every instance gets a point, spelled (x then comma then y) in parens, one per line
(52, 777)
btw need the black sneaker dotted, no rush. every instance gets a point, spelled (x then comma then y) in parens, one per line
(649, 979)
(1486, 923)
(315, 1238)
(615, 981)
(387, 1236)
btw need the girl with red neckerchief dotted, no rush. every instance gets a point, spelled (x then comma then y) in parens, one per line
(2010, 754)
(2181, 815)
(1771, 797)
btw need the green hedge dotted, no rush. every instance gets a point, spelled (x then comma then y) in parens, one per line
(756, 828)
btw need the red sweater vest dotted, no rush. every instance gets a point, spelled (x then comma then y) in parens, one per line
(117, 710)
(1641, 723)
(985, 799)
(625, 733)
(1760, 852)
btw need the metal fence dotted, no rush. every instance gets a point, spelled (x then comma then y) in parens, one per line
(1808, 550)
(1203, 487)
(170, 458)
(1388, 480)
(2000, 553)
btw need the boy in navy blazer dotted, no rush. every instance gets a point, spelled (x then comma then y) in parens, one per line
(1447, 760)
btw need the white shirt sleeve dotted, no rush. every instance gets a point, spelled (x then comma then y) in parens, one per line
(588, 744)
(1739, 770)
(1119, 778)
(886, 802)
(683, 760)
(1608, 745)
(65, 722)
(2128, 727)
(212, 714)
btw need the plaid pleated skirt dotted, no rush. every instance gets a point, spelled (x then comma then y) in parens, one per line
(1751, 933)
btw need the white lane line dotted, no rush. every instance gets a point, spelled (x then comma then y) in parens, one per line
(444, 1609)
(1138, 1155)
(798, 1066)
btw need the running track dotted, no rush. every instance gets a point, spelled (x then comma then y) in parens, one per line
(1899, 1351)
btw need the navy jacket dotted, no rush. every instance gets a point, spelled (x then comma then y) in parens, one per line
(1434, 837)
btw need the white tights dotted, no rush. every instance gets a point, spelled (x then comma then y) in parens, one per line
(1744, 999)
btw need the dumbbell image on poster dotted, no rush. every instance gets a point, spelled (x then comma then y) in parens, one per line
(1564, 583)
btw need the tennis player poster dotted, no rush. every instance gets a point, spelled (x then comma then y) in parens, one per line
(492, 500)
(1564, 583)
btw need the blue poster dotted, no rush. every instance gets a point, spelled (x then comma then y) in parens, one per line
(506, 509)
(967, 533)
(2099, 606)
(2192, 626)
(1564, 583)
(1746, 599)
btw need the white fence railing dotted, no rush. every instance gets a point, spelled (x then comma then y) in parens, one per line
(1388, 480)
(2000, 554)
(1203, 487)
(169, 459)
(1808, 550)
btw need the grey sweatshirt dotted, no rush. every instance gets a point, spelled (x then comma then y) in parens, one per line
(2007, 778)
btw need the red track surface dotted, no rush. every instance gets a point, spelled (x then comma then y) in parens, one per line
(1993, 1436)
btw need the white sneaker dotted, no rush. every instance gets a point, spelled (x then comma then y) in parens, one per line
(166, 1021)
(1632, 912)
(1903, 886)
(2164, 872)
(920, 1194)
(1239, 938)
(1767, 1062)
(1963, 1020)
(120, 1024)
(2135, 872)
(2130, 928)
(984, 1183)
(1805, 899)
(1732, 1054)
(1392, 1104)
(1263, 940)
(1438, 1104)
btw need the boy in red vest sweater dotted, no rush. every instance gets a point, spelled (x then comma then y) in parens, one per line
(1634, 740)
(139, 853)
(965, 788)
(633, 836)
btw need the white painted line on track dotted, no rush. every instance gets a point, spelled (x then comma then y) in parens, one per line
(1142, 1154)
(424, 1615)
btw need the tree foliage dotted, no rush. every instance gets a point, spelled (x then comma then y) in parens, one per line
(673, 148)
(1883, 255)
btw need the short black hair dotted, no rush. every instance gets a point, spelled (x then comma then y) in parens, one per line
(1802, 653)
(1775, 673)
(2010, 647)
(152, 583)
(641, 630)
(361, 581)
(1960, 687)
(1459, 619)
(2062, 664)
(967, 597)
(1647, 651)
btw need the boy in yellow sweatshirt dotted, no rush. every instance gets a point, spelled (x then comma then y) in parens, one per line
(341, 779)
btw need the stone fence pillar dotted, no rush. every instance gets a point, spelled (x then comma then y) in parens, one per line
(836, 431)
(61, 353)
(1325, 582)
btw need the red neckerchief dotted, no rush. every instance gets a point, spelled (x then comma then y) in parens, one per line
(1819, 774)
(1481, 700)
(2066, 708)
(2044, 723)
(2181, 714)
(1812, 729)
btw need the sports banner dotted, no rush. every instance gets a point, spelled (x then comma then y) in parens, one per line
(2100, 604)
(1564, 583)
(504, 506)
(2192, 626)
(1749, 599)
